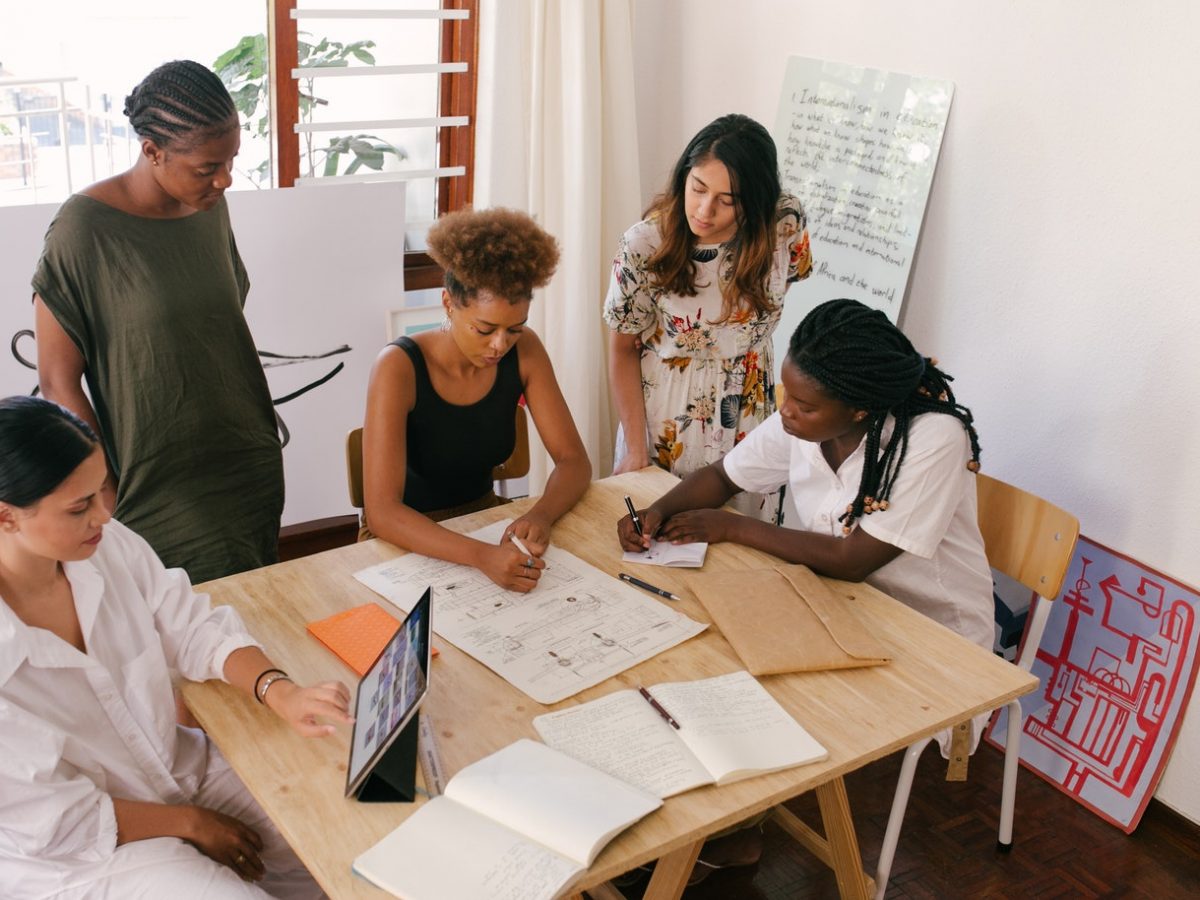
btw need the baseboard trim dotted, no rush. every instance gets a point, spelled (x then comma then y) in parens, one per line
(316, 535)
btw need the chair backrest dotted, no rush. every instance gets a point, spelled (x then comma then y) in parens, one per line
(354, 467)
(1027, 538)
(516, 466)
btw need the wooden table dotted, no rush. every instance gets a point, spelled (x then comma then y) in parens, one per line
(936, 678)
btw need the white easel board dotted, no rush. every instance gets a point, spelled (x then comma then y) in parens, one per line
(859, 148)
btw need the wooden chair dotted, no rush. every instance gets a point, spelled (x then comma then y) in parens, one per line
(1031, 541)
(516, 466)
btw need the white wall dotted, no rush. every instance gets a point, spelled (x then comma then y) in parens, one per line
(325, 268)
(1057, 276)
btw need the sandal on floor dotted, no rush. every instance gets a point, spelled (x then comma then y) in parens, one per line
(632, 877)
(741, 848)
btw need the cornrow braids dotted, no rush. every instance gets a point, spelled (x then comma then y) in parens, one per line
(179, 103)
(866, 362)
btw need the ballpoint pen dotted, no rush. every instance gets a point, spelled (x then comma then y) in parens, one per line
(521, 546)
(658, 707)
(637, 521)
(646, 586)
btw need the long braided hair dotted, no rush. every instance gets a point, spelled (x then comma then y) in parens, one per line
(180, 102)
(862, 359)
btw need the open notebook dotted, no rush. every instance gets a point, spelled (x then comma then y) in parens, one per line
(730, 728)
(664, 553)
(523, 823)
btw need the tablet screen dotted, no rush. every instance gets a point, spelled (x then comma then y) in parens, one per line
(390, 692)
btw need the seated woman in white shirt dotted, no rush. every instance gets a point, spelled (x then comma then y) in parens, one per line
(879, 459)
(101, 793)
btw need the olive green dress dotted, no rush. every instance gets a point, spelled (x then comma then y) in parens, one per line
(155, 307)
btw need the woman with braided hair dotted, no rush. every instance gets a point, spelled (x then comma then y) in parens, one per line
(139, 293)
(879, 458)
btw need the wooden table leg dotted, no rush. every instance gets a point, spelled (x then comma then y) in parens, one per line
(671, 873)
(843, 844)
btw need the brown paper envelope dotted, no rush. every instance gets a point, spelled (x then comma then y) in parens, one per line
(786, 620)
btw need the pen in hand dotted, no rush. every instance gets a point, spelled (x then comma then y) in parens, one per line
(521, 546)
(637, 520)
(658, 707)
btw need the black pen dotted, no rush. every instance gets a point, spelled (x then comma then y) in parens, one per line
(646, 586)
(658, 707)
(637, 522)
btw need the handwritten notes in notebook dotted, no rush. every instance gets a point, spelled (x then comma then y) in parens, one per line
(521, 824)
(730, 728)
(577, 628)
(664, 553)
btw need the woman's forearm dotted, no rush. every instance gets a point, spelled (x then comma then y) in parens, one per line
(567, 483)
(410, 530)
(706, 488)
(851, 558)
(625, 380)
(138, 821)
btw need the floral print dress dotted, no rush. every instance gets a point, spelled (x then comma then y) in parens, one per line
(706, 383)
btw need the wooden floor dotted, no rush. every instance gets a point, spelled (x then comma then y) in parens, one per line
(948, 845)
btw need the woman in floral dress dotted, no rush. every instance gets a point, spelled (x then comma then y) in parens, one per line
(696, 293)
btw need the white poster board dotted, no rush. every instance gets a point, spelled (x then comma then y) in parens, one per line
(325, 268)
(859, 148)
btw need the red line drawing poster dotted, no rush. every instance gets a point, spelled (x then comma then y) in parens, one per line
(1117, 664)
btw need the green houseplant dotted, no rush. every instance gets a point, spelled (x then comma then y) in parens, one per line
(245, 71)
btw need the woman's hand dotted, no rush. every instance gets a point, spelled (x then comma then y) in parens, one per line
(506, 565)
(304, 708)
(628, 535)
(632, 461)
(708, 525)
(532, 530)
(226, 840)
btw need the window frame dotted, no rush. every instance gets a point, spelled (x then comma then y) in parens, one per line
(457, 93)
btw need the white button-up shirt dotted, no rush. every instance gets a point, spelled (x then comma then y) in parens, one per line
(78, 729)
(931, 515)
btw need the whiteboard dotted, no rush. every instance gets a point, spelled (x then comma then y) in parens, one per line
(325, 268)
(859, 148)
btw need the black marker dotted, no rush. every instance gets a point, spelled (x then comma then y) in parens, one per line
(637, 522)
(646, 586)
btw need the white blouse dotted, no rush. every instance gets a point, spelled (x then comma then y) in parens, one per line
(931, 514)
(78, 729)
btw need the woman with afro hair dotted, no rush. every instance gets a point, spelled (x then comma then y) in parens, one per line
(441, 404)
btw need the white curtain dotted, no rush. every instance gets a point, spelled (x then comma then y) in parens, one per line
(556, 136)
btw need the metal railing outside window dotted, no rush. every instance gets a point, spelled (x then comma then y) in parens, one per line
(58, 135)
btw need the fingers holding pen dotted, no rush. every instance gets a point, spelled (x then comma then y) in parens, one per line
(512, 568)
(633, 539)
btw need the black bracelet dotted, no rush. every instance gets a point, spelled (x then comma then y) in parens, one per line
(261, 675)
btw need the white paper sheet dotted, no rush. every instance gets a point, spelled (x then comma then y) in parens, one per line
(664, 553)
(577, 628)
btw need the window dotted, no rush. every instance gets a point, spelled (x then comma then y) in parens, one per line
(399, 106)
(67, 65)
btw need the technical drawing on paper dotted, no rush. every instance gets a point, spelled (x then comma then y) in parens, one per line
(1117, 662)
(578, 627)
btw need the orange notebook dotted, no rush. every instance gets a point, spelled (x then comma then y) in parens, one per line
(357, 635)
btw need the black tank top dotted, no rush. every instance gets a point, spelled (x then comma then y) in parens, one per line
(452, 449)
